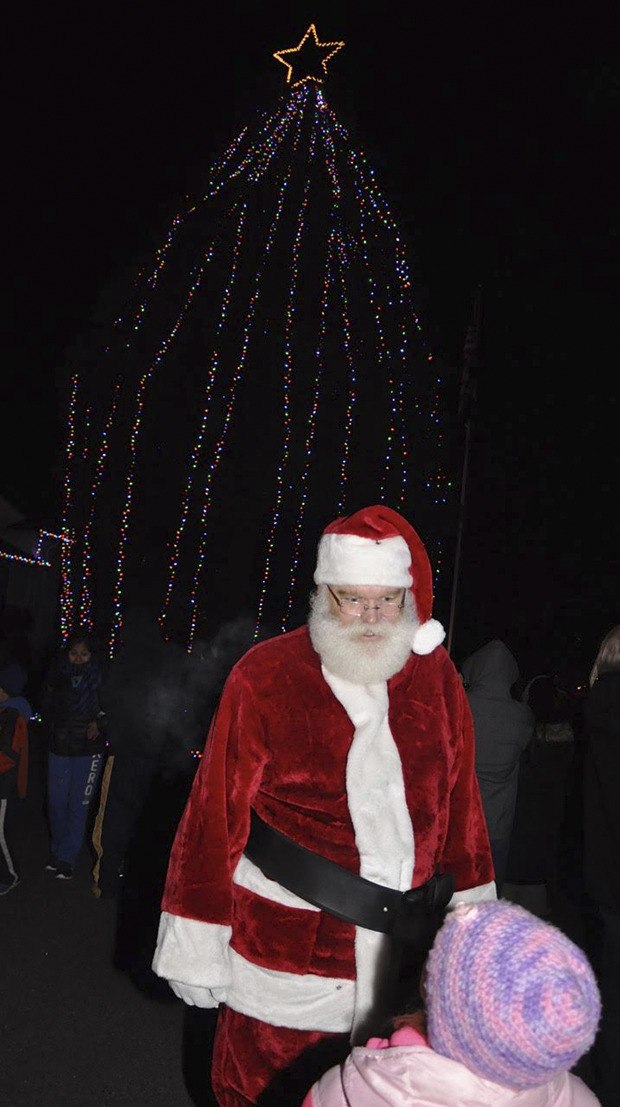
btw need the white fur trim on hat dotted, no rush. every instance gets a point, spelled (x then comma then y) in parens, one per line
(428, 636)
(349, 559)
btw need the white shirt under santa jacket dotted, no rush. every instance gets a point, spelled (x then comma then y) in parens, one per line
(378, 778)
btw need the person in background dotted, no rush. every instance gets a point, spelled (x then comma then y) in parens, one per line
(143, 699)
(601, 829)
(199, 685)
(503, 726)
(335, 810)
(544, 785)
(510, 1006)
(73, 719)
(15, 714)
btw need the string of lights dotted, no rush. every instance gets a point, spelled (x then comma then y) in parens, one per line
(200, 438)
(86, 605)
(287, 383)
(278, 317)
(38, 561)
(135, 433)
(230, 405)
(66, 588)
(343, 265)
(309, 441)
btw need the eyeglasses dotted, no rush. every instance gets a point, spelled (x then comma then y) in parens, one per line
(353, 605)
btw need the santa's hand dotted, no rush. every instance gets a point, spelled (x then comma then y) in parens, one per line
(196, 996)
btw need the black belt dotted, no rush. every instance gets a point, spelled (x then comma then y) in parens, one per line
(343, 893)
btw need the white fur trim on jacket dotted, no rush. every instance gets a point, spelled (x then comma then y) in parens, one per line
(349, 559)
(203, 971)
(381, 820)
(248, 875)
(191, 954)
(300, 1002)
(196, 956)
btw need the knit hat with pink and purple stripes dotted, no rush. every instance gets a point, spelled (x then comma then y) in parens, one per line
(509, 996)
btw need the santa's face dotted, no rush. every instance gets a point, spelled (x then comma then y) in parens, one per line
(363, 632)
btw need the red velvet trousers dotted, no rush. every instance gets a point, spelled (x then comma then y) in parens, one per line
(255, 1063)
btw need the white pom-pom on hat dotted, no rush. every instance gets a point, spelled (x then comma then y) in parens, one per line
(378, 546)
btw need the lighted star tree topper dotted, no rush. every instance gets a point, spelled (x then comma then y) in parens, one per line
(302, 59)
(266, 372)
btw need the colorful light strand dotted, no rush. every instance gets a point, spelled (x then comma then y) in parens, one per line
(66, 588)
(135, 433)
(38, 561)
(230, 404)
(199, 442)
(303, 483)
(287, 383)
(85, 606)
(281, 182)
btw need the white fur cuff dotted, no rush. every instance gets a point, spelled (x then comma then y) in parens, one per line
(193, 953)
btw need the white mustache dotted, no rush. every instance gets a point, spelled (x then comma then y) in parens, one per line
(344, 649)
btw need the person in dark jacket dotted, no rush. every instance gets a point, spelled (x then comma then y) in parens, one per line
(503, 727)
(545, 772)
(602, 850)
(15, 713)
(143, 700)
(72, 715)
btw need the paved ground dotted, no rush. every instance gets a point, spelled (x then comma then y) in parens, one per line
(74, 1030)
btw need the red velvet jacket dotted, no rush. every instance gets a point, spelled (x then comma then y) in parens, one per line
(279, 743)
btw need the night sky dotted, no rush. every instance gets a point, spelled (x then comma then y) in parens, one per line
(493, 129)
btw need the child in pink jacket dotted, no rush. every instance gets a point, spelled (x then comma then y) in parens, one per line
(511, 1005)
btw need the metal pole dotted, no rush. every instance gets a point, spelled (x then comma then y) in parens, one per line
(466, 407)
(459, 535)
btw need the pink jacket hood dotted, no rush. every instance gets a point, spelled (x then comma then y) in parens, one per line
(416, 1076)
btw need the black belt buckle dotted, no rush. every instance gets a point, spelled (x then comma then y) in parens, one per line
(419, 910)
(441, 890)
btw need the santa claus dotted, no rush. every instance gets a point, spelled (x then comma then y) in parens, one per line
(338, 775)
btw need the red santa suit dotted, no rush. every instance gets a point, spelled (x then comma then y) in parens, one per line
(378, 778)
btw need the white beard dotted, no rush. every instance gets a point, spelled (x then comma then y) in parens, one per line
(346, 654)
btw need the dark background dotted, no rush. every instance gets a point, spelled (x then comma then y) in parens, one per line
(493, 129)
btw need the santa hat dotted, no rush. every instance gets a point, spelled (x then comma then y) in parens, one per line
(377, 546)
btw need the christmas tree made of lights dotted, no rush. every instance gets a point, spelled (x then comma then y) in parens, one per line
(268, 372)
